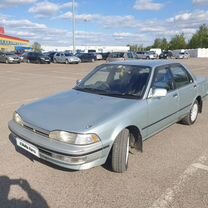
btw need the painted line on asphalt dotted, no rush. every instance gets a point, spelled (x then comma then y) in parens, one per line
(200, 166)
(165, 200)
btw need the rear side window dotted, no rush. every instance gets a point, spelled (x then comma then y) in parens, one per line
(181, 76)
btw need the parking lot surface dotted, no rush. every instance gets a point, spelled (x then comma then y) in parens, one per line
(171, 172)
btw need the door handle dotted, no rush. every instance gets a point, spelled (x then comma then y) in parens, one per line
(175, 95)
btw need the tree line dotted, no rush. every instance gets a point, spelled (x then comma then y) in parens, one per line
(198, 40)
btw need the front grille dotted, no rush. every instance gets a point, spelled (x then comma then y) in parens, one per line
(36, 131)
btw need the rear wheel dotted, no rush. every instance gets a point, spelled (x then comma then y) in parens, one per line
(120, 152)
(193, 114)
(54, 61)
(66, 61)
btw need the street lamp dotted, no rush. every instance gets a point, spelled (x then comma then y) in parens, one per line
(73, 26)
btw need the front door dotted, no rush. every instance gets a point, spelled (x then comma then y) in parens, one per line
(162, 111)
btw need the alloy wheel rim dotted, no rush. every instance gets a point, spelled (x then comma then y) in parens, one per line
(127, 150)
(194, 112)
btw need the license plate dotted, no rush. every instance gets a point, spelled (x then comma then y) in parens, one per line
(28, 147)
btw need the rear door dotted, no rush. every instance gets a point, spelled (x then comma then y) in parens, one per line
(186, 87)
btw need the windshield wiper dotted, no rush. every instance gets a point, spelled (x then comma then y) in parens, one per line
(123, 95)
(88, 89)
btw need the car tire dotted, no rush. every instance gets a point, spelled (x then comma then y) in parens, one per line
(54, 61)
(93, 60)
(193, 114)
(66, 61)
(120, 152)
(6, 61)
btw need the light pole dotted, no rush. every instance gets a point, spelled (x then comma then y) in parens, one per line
(73, 26)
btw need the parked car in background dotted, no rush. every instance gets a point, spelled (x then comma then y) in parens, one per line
(112, 110)
(87, 57)
(165, 55)
(50, 54)
(36, 57)
(146, 55)
(67, 58)
(158, 51)
(183, 55)
(141, 54)
(105, 55)
(121, 56)
(99, 56)
(21, 56)
(9, 58)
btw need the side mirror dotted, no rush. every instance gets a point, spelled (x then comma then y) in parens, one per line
(157, 93)
(78, 82)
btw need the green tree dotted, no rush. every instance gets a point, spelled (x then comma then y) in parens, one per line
(161, 43)
(36, 47)
(200, 38)
(178, 42)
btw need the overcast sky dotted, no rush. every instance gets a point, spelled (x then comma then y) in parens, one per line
(106, 22)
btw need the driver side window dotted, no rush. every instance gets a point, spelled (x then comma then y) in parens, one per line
(163, 79)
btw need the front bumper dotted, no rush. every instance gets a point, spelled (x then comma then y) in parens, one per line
(64, 155)
(14, 61)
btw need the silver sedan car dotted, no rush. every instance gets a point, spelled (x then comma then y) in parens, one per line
(66, 58)
(112, 110)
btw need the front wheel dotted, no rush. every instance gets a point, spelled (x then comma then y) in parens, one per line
(120, 152)
(193, 114)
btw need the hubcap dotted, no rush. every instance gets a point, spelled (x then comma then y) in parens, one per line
(127, 150)
(194, 112)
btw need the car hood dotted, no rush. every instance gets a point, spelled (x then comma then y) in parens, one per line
(73, 111)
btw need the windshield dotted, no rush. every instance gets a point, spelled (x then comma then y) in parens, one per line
(116, 80)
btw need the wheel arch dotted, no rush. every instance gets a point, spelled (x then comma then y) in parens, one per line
(136, 141)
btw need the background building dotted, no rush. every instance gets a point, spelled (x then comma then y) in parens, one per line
(99, 49)
(9, 43)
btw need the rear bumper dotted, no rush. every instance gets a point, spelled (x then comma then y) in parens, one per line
(64, 155)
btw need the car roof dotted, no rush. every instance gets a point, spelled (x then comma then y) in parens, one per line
(149, 63)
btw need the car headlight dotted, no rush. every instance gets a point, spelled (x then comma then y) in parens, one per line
(72, 138)
(17, 118)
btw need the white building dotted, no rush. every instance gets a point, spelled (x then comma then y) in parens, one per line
(195, 53)
(86, 48)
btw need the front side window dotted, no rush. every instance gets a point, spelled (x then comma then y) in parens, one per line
(163, 79)
(180, 76)
(117, 80)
